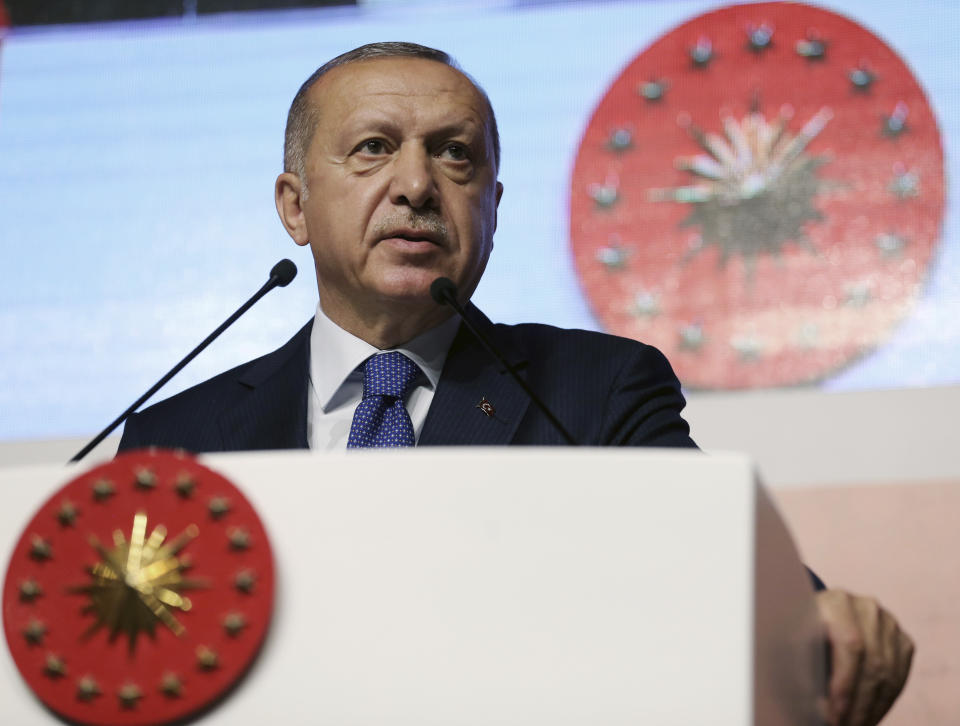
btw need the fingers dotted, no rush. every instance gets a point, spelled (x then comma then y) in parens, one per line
(869, 687)
(871, 658)
(898, 651)
(848, 651)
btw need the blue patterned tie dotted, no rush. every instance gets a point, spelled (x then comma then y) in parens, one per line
(381, 419)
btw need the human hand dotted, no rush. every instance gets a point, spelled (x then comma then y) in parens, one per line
(870, 658)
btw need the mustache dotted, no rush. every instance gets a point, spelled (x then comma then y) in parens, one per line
(428, 221)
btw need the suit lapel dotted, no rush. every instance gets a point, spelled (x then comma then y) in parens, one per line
(469, 376)
(272, 411)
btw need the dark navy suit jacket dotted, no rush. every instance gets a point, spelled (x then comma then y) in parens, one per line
(607, 391)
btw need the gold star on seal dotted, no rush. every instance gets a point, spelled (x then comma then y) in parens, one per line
(218, 506)
(129, 694)
(244, 581)
(144, 478)
(54, 666)
(171, 685)
(185, 485)
(67, 514)
(34, 632)
(139, 582)
(207, 658)
(233, 623)
(239, 538)
(30, 590)
(103, 489)
(756, 187)
(88, 688)
(40, 549)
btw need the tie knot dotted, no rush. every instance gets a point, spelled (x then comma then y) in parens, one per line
(389, 374)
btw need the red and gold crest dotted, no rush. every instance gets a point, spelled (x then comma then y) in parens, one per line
(759, 193)
(140, 592)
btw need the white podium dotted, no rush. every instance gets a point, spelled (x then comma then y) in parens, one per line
(508, 586)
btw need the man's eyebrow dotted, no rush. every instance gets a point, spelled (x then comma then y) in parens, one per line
(469, 128)
(369, 121)
(466, 125)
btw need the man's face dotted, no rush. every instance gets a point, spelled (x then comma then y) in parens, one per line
(401, 184)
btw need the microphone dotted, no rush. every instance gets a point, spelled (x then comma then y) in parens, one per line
(444, 292)
(281, 275)
(283, 272)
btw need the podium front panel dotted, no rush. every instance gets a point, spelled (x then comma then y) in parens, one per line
(509, 586)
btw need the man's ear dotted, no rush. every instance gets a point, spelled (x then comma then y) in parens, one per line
(288, 195)
(499, 195)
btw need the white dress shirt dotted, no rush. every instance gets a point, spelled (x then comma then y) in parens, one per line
(336, 383)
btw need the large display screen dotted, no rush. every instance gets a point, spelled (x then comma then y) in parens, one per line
(762, 191)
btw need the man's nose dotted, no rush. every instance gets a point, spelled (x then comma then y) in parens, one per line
(413, 183)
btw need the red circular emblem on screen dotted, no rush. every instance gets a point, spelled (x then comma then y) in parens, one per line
(140, 592)
(759, 193)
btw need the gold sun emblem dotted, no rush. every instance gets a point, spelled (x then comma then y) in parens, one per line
(138, 583)
(757, 188)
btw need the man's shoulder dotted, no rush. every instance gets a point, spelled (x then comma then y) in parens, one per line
(189, 418)
(608, 390)
(572, 343)
(245, 375)
(589, 362)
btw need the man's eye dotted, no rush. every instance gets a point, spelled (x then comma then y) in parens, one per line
(456, 152)
(372, 146)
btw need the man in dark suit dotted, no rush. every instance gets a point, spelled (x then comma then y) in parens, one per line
(390, 176)
(625, 395)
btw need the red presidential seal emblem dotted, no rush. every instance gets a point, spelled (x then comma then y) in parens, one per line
(140, 592)
(759, 193)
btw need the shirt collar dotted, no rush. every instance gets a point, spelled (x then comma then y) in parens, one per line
(335, 354)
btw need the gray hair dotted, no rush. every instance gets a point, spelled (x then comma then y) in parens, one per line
(302, 119)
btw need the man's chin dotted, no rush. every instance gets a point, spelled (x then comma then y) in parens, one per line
(409, 287)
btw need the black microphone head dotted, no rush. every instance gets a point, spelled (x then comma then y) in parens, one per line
(283, 272)
(443, 290)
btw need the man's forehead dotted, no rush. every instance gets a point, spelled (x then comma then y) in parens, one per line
(399, 77)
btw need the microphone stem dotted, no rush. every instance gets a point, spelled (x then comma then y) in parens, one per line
(267, 287)
(452, 301)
